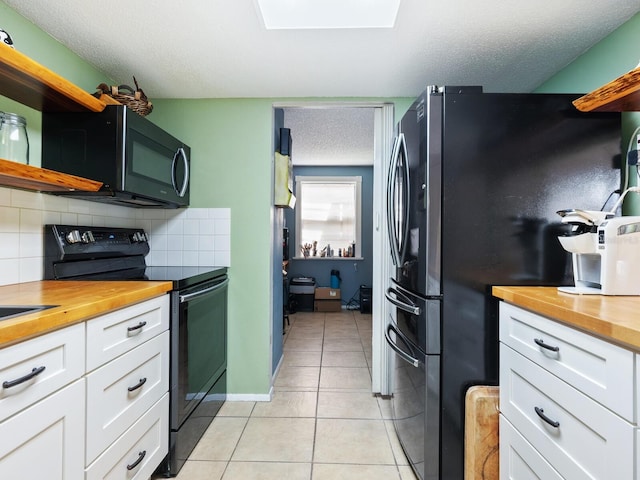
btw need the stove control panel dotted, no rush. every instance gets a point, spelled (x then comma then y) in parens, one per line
(63, 242)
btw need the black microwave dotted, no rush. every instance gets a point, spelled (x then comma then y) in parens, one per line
(139, 164)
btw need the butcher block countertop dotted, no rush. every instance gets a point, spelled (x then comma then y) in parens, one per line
(77, 301)
(616, 318)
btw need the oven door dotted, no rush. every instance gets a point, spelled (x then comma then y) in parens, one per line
(200, 343)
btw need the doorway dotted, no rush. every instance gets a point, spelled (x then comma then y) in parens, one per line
(339, 136)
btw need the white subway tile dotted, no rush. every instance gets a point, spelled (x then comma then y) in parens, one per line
(9, 271)
(31, 269)
(191, 226)
(69, 218)
(222, 242)
(190, 259)
(9, 219)
(222, 226)
(197, 213)
(5, 197)
(175, 242)
(174, 258)
(222, 258)
(31, 245)
(206, 243)
(158, 242)
(206, 258)
(191, 243)
(175, 226)
(207, 226)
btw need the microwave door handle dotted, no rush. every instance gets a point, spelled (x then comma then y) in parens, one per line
(183, 189)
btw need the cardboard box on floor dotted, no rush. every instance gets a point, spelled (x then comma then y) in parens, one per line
(327, 300)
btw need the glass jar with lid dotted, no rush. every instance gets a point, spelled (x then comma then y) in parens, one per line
(14, 142)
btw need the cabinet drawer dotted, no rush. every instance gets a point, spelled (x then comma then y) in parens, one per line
(519, 460)
(597, 368)
(61, 353)
(46, 440)
(589, 442)
(111, 407)
(118, 332)
(147, 439)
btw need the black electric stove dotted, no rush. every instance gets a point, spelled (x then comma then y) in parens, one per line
(198, 325)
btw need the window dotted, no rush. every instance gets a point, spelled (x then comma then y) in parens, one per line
(328, 216)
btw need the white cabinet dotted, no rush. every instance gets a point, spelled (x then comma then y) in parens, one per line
(46, 440)
(42, 407)
(121, 391)
(137, 453)
(33, 369)
(566, 401)
(127, 390)
(118, 332)
(90, 400)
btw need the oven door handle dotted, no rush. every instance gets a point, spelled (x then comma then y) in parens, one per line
(204, 291)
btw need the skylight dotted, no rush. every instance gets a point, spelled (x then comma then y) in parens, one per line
(320, 14)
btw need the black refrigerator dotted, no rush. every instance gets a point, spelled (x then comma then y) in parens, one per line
(473, 188)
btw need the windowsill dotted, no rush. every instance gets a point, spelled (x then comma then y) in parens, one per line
(357, 259)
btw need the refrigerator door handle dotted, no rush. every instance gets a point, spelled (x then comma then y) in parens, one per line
(398, 233)
(391, 220)
(402, 354)
(401, 301)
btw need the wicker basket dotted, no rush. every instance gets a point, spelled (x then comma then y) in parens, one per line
(136, 100)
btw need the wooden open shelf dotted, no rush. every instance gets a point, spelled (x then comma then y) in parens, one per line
(619, 95)
(17, 175)
(30, 83)
(34, 85)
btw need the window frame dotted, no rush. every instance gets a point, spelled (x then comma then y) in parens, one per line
(343, 179)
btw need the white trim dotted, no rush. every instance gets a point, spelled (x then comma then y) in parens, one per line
(381, 377)
(250, 397)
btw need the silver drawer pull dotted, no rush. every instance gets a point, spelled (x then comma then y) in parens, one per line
(12, 383)
(138, 385)
(138, 460)
(136, 328)
(541, 414)
(541, 343)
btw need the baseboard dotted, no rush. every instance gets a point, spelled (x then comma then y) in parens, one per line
(250, 397)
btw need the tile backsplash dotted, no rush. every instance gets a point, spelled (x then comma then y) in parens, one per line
(191, 237)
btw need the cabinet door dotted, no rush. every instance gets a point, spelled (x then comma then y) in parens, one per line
(598, 369)
(46, 441)
(52, 361)
(137, 453)
(123, 390)
(519, 460)
(576, 435)
(118, 332)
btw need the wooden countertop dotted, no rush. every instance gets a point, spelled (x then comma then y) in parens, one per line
(77, 301)
(616, 318)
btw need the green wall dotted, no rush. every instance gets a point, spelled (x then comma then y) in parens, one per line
(614, 56)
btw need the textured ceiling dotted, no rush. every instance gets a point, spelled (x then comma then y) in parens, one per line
(215, 48)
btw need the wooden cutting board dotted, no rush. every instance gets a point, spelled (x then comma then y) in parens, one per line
(481, 434)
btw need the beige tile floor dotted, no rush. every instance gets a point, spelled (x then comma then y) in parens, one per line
(323, 423)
